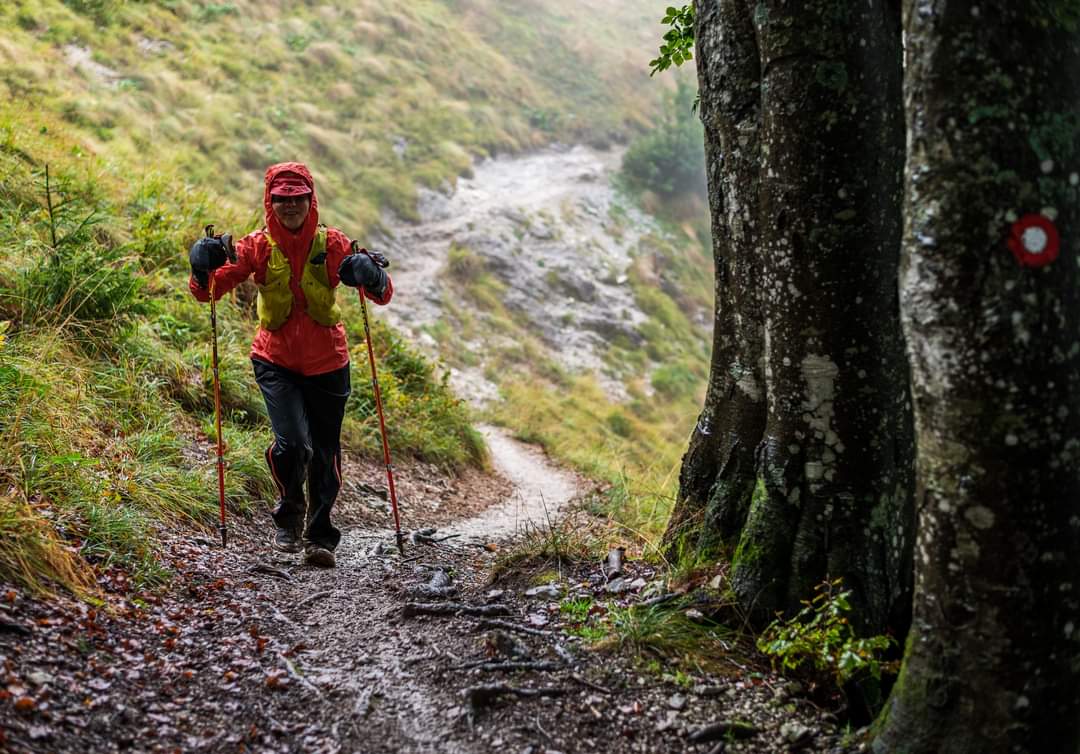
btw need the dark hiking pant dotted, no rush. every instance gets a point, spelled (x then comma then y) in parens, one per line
(306, 414)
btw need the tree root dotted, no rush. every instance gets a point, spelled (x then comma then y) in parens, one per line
(543, 665)
(412, 609)
(495, 623)
(479, 697)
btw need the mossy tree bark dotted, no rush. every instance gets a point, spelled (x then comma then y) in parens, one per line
(800, 466)
(993, 110)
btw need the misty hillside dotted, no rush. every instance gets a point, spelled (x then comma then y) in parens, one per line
(156, 118)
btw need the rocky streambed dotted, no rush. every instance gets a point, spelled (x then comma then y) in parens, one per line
(552, 228)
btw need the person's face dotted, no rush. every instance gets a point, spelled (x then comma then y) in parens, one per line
(291, 211)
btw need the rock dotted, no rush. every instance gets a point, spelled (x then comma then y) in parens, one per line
(654, 588)
(676, 701)
(553, 591)
(795, 733)
(40, 678)
(694, 614)
(637, 584)
(494, 594)
(616, 586)
(702, 689)
(670, 721)
(538, 620)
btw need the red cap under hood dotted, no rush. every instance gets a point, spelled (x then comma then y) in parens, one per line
(291, 179)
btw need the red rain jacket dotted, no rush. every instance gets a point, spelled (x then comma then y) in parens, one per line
(301, 344)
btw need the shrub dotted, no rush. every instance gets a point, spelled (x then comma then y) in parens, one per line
(86, 284)
(820, 639)
(671, 158)
(674, 380)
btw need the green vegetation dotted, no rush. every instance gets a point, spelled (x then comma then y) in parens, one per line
(379, 98)
(678, 44)
(820, 640)
(670, 158)
(546, 550)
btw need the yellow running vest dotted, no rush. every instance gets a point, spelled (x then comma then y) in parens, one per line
(275, 296)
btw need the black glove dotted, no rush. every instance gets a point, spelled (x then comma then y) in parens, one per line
(361, 270)
(207, 254)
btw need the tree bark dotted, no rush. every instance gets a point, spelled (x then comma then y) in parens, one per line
(993, 109)
(800, 467)
(718, 474)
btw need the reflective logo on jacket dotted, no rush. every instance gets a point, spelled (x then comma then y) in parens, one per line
(276, 298)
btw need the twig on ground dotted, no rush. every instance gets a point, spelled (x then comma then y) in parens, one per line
(11, 627)
(540, 728)
(543, 665)
(282, 616)
(452, 608)
(479, 697)
(495, 623)
(298, 675)
(658, 600)
(586, 682)
(314, 598)
(270, 571)
(724, 729)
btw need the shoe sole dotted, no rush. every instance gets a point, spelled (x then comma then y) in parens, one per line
(320, 560)
(287, 548)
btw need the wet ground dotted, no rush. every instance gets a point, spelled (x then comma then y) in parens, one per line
(250, 650)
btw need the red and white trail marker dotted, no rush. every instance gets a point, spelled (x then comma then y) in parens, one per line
(1034, 241)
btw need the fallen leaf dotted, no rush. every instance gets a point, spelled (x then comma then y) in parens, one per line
(277, 680)
(25, 704)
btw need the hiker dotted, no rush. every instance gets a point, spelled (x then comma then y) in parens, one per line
(300, 355)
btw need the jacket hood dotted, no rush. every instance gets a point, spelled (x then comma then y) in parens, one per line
(291, 241)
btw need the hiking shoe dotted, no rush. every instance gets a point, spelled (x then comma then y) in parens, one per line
(286, 540)
(319, 556)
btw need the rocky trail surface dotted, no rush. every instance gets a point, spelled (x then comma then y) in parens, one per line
(252, 651)
(553, 231)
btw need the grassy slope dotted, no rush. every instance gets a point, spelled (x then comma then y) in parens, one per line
(158, 117)
(105, 400)
(242, 84)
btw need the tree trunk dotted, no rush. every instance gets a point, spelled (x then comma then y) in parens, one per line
(993, 106)
(800, 466)
(718, 474)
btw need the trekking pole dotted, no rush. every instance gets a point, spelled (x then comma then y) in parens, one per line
(217, 418)
(378, 402)
(217, 404)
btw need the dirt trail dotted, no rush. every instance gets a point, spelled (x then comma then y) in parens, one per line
(541, 490)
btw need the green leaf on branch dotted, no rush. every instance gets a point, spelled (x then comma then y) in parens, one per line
(678, 40)
(820, 640)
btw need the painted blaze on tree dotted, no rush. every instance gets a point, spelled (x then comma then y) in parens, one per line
(800, 467)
